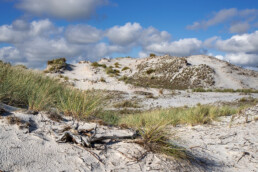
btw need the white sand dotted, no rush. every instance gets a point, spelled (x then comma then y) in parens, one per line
(24, 151)
(229, 146)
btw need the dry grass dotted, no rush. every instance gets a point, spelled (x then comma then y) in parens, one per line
(226, 90)
(35, 91)
(201, 114)
(155, 138)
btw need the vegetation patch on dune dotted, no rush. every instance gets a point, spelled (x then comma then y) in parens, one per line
(226, 90)
(172, 73)
(96, 64)
(56, 65)
(200, 114)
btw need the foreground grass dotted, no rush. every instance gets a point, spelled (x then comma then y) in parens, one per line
(36, 91)
(152, 126)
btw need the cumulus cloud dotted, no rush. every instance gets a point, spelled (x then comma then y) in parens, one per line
(182, 47)
(64, 9)
(243, 59)
(239, 21)
(152, 35)
(239, 49)
(239, 43)
(83, 34)
(9, 54)
(124, 35)
(33, 43)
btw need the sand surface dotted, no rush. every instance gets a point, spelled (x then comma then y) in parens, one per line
(36, 149)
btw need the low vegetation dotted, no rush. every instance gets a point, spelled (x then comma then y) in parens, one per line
(152, 55)
(96, 64)
(35, 91)
(117, 65)
(56, 65)
(112, 72)
(172, 73)
(201, 114)
(125, 68)
(150, 71)
(127, 103)
(226, 90)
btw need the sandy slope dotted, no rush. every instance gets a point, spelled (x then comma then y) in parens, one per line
(228, 145)
(36, 149)
(222, 146)
(85, 77)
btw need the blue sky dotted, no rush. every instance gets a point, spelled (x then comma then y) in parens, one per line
(34, 31)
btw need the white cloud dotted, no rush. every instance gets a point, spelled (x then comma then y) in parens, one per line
(152, 35)
(9, 54)
(243, 59)
(38, 41)
(239, 49)
(247, 43)
(182, 47)
(124, 35)
(65, 9)
(220, 57)
(83, 34)
(238, 21)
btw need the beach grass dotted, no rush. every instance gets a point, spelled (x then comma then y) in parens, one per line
(36, 91)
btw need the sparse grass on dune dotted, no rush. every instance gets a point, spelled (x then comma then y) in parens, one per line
(226, 90)
(201, 114)
(152, 126)
(36, 91)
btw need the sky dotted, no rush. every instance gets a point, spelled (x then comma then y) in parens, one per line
(35, 31)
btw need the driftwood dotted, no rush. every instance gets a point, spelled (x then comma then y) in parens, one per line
(87, 138)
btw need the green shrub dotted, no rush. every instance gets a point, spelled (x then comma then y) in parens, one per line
(102, 79)
(150, 71)
(96, 64)
(110, 71)
(57, 61)
(66, 78)
(56, 65)
(117, 65)
(123, 78)
(125, 68)
(152, 55)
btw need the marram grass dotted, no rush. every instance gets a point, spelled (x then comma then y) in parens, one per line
(201, 114)
(36, 91)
